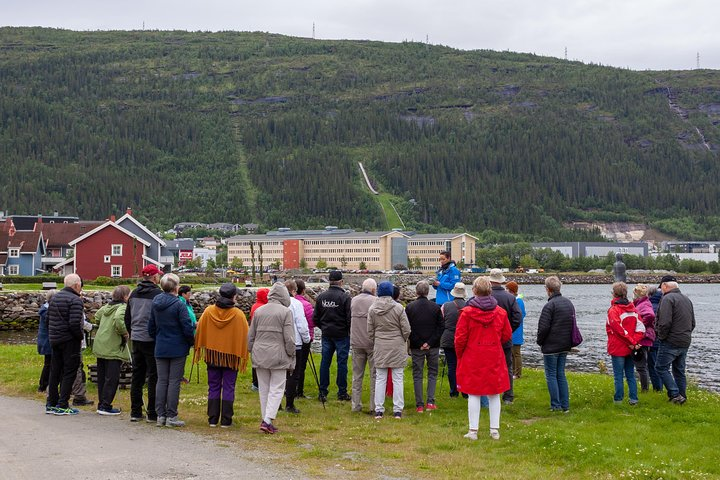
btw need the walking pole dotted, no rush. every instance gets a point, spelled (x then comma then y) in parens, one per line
(444, 362)
(317, 380)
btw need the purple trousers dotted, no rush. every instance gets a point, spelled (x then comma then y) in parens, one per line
(221, 383)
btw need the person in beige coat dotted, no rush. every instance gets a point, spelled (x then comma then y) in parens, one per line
(389, 329)
(271, 342)
(362, 347)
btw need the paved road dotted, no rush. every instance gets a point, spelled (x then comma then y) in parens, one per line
(88, 446)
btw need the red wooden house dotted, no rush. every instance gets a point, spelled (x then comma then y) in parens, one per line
(111, 251)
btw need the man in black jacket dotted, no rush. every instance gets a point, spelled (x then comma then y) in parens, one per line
(137, 315)
(674, 325)
(65, 325)
(508, 302)
(332, 316)
(426, 328)
(554, 335)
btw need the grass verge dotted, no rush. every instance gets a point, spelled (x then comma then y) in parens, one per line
(597, 439)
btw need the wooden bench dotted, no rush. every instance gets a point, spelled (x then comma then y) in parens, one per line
(49, 285)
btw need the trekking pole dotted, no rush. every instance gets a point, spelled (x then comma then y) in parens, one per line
(442, 375)
(317, 380)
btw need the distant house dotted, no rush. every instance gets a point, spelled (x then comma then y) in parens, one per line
(157, 250)
(179, 227)
(224, 227)
(204, 254)
(58, 237)
(27, 222)
(21, 252)
(210, 242)
(182, 248)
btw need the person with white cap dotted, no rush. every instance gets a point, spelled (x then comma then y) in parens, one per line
(451, 312)
(508, 302)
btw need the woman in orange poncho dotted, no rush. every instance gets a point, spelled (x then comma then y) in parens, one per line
(221, 340)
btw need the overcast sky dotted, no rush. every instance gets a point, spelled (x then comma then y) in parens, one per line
(639, 34)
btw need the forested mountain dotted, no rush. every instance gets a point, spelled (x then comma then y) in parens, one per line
(257, 127)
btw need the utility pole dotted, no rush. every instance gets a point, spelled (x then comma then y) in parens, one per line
(698, 60)
(143, 24)
(313, 30)
(565, 53)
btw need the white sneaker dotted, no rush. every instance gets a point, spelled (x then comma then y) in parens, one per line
(494, 434)
(472, 435)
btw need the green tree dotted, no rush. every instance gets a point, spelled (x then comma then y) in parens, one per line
(321, 264)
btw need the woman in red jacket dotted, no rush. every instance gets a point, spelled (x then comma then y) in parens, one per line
(481, 330)
(624, 329)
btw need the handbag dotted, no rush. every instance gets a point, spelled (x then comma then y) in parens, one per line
(576, 337)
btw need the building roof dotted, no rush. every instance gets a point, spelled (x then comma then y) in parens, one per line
(61, 234)
(27, 241)
(128, 216)
(105, 225)
(3, 258)
(276, 235)
(27, 222)
(181, 244)
(438, 236)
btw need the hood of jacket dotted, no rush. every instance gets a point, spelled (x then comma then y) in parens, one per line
(145, 287)
(261, 296)
(383, 305)
(622, 302)
(113, 307)
(479, 309)
(279, 294)
(219, 316)
(164, 301)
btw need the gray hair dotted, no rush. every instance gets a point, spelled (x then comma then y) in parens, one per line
(652, 289)
(553, 284)
(72, 279)
(370, 285)
(169, 282)
(422, 288)
(50, 294)
(482, 286)
(120, 292)
(291, 285)
(671, 285)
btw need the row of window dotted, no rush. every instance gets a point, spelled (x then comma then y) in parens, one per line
(342, 250)
(340, 259)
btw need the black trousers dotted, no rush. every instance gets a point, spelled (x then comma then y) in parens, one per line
(292, 381)
(509, 396)
(144, 368)
(45, 374)
(300, 365)
(108, 378)
(63, 370)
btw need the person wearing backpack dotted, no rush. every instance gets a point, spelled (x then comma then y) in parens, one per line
(624, 330)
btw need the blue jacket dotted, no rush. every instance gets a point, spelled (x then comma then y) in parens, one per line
(448, 276)
(170, 327)
(517, 336)
(43, 338)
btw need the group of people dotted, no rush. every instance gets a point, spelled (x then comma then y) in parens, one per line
(480, 338)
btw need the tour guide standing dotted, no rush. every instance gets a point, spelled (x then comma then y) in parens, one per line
(447, 276)
(65, 327)
(137, 316)
(508, 302)
(674, 325)
(332, 316)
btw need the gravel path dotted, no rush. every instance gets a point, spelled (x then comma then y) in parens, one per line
(89, 446)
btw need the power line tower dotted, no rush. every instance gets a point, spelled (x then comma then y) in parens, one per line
(698, 61)
(313, 30)
(565, 53)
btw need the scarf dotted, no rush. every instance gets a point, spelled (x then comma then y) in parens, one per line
(221, 338)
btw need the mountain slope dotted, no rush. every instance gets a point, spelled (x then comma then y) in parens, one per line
(258, 127)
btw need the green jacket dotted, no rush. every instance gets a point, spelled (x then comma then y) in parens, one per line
(109, 342)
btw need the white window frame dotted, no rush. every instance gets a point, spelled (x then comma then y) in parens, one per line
(14, 252)
(13, 269)
(106, 259)
(119, 247)
(119, 271)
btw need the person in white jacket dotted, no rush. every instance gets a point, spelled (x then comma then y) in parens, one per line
(302, 336)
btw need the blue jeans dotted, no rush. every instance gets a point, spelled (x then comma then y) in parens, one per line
(669, 355)
(329, 347)
(556, 381)
(654, 375)
(624, 366)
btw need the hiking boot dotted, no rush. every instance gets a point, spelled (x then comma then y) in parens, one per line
(173, 422)
(152, 419)
(66, 411)
(136, 418)
(494, 434)
(160, 422)
(431, 406)
(292, 409)
(108, 411)
(378, 415)
(268, 427)
(397, 415)
(471, 435)
(343, 397)
(454, 394)
(82, 402)
(213, 425)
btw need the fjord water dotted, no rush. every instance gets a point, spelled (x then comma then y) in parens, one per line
(591, 305)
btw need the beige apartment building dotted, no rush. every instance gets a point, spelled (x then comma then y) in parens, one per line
(346, 248)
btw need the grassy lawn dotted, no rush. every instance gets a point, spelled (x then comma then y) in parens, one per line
(597, 439)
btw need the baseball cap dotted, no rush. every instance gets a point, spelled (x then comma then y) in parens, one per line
(228, 290)
(667, 278)
(151, 270)
(335, 276)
